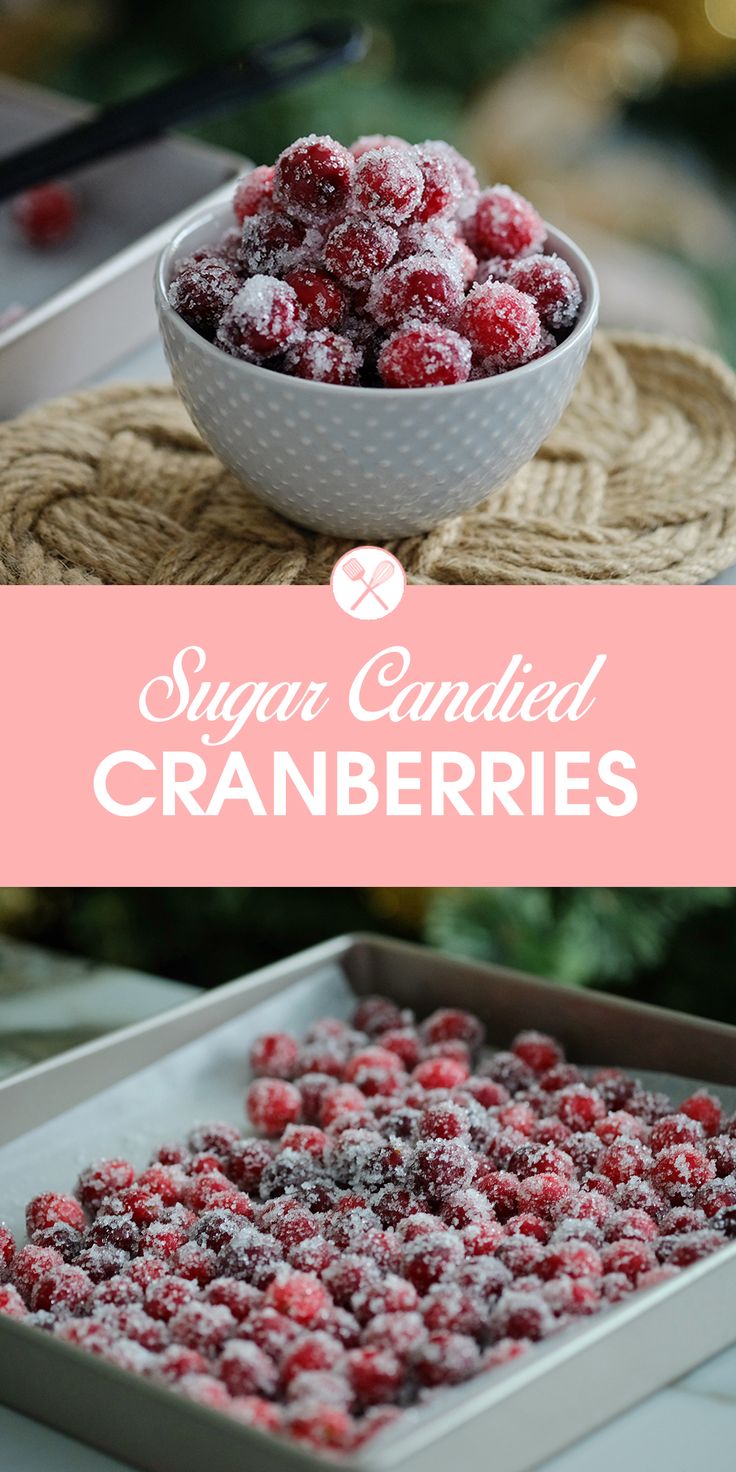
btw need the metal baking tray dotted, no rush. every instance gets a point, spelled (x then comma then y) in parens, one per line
(89, 302)
(130, 1091)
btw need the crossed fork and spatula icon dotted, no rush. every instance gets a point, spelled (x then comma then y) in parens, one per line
(380, 575)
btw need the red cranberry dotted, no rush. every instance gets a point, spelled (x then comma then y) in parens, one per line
(246, 1370)
(675, 1129)
(11, 1303)
(271, 1104)
(376, 1374)
(388, 184)
(502, 326)
(544, 1194)
(440, 1073)
(7, 1251)
(520, 1315)
(430, 1258)
(275, 1055)
(200, 293)
(704, 1108)
(626, 1158)
(253, 193)
(298, 1296)
(50, 1208)
(325, 357)
(553, 287)
(263, 318)
(315, 1351)
(340, 1099)
(419, 287)
(270, 244)
(313, 177)
(505, 224)
(442, 188)
(63, 1287)
(106, 1178)
(445, 1358)
(176, 1361)
(539, 1051)
(571, 1259)
(321, 1425)
(680, 1171)
(628, 1256)
(46, 215)
(324, 304)
(246, 1161)
(358, 248)
(424, 355)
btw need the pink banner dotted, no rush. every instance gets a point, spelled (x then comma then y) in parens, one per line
(500, 736)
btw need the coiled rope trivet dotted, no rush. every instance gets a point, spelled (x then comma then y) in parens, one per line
(636, 485)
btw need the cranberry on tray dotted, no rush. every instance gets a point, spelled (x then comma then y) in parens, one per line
(418, 1210)
(424, 279)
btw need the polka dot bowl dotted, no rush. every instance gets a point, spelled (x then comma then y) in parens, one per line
(367, 463)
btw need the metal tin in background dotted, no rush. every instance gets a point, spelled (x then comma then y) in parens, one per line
(89, 302)
(526, 1412)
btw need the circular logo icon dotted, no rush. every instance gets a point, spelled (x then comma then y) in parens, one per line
(368, 582)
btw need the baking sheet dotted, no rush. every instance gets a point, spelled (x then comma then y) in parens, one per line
(556, 1393)
(120, 198)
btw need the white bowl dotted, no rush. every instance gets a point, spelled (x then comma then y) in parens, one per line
(367, 463)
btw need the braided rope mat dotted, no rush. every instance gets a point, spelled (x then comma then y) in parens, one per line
(636, 485)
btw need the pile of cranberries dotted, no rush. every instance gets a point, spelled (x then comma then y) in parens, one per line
(412, 1212)
(383, 264)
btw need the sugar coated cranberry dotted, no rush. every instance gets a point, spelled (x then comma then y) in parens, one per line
(11, 1303)
(428, 1259)
(442, 188)
(553, 287)
(299, 1296)
(46, 215)
(201, 292)
(539, 1051)
(321, 1425)
(704, 1108)
(271, 1104)
(440, 1073)
(253, 193)
(579, 1107)
(420, 287)
(51, 1208)
(246, 1161)
(451, 1024)
(322, 300)
(445, 1358)
(358, 248)
(375, 1372)
(246, 1369)
(64, 1287)
(105, 1178)
(389, 184)
(368, 142)
(325, 357)
(404, 1042)
(7, 1251)
(270, 244)
(275, 1055)
(314, 1351)
(501, 324)
(680, 1171)
(675, 1129)
(424, 355)
(262, 319)
(505, 224)
(313, 177)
